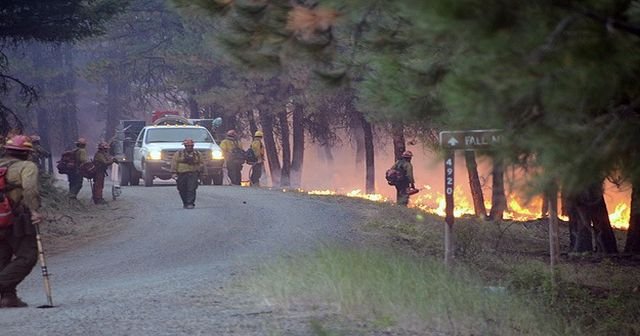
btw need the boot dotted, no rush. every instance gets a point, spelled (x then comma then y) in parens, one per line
(11, 300)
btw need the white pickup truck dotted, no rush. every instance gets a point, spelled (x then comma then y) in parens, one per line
(155, 146)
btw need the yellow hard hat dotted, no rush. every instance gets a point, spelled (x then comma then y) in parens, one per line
(258, 134)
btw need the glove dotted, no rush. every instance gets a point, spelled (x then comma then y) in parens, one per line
(174, 176)
(36, 217)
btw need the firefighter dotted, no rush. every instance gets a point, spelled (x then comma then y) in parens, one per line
(39, 154)
(102, 160)
(407, 183)
(233, 157)
(18, 247)
(75, 178)
(258, 149)
(185, 167)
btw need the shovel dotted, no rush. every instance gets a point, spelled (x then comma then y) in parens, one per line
(43, 268)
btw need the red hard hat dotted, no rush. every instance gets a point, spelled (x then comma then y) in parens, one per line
(407, 154)
(232, 133)
(19, 143)
(188, 142)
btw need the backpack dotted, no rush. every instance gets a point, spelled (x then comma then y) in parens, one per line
(6, 208)
(237, 154)
(88, 170)
(67, 162)
(251, 156)
(394, 175)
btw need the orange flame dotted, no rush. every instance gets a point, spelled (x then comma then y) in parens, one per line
(434, 202)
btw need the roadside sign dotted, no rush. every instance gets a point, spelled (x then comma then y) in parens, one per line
(450, 142)
(448, 194)
(470, 139)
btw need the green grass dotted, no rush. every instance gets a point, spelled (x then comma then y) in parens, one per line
(501, 284)
(392, 290)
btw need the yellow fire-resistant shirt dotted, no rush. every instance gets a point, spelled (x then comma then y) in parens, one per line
(81, 156)
(22, 177)
(102, 160)
(227, 145)
(184, 162)
(258, 149)
(407, 167)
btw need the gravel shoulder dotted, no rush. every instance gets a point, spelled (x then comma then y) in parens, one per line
(142, 265)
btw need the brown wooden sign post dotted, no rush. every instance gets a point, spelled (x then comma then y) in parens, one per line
(448, 194)
(451, 141)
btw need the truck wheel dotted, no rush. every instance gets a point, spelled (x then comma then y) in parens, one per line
(135, 176)
(125, 175)
(147, 177)
(217, 179)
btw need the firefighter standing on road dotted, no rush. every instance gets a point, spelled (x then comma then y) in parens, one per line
(233, 157)
(402, 187)
(18, 247)
(102, 160)
(185, 167)
(75, 178)
(258, 149)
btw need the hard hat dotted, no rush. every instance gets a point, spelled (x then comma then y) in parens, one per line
(188, 142)
(407, 154)
(103, 145)
(19, 143)
(231, 133)
(81, 141)
(35, 138)
(258, 134)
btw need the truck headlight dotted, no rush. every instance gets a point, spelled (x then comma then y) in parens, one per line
(154, 155)
(216, 155)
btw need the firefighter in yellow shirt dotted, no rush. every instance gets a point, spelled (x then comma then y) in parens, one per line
(233, 156)
(75, 178)
(256, 167)
(18, 247)
(102, 160)
(185, 167)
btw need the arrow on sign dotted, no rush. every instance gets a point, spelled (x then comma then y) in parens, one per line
(453, 142)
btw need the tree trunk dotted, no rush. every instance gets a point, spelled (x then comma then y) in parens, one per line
(116, 91)
(266, 119)
(194, 109)
(474, 184)
(580, 239)
(597, 209)
(298, 144)
(397, 131)
(370, 178)
(285, 173)
(498, 199)
(358, 135)
(252, 122)
(632, 244)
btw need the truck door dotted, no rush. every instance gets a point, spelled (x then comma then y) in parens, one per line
(137, 151)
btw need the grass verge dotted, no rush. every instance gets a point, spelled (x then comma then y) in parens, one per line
(391, 290)
(501, 284)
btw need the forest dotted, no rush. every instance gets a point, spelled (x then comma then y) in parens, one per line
(559, 78)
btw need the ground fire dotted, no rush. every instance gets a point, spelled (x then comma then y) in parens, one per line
(433, 202)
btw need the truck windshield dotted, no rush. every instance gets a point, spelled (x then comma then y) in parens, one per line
(178, 135)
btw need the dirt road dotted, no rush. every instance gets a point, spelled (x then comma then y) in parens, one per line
(166, 270)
